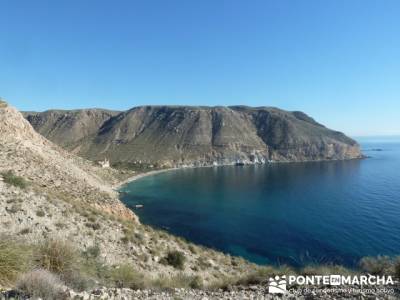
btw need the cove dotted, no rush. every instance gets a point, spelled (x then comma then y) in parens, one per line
(284, 213)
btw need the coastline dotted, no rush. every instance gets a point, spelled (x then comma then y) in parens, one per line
(119, 185)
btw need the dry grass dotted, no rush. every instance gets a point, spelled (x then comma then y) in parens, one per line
(380, 265)
(14, 259)
(325, 270)
(56, 256)
(125, 276)
(10, 178)
(178, 281)
(40, 284)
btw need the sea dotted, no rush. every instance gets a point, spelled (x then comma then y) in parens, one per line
(333, 212)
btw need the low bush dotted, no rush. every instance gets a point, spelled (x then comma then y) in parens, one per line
(42, 284)
(178, 281)
(397, 267)
(94, 226)
(325, 270)
(25, 231)
(14, 260)
(56, 256)
(40, 213)
(258, 276)
(92, 252)
(380, 265)
(14, 208)
(125, 276)
(10, 178)
(174, 258)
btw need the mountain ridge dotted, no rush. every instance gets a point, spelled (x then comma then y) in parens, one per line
(173, 136)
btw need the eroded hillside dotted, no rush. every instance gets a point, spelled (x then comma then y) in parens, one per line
(180, 135)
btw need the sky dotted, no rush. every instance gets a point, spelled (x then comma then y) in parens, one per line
(338, 61)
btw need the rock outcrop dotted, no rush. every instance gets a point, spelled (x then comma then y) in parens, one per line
(182, 135)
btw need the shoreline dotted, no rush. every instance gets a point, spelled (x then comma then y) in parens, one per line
(119, 185)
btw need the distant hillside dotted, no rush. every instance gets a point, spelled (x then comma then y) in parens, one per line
(66, 127)
(184, 135)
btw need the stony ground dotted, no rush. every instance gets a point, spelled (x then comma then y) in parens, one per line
(238, 293)
(255, 292)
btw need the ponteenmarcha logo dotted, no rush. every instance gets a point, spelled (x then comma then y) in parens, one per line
(277, 285)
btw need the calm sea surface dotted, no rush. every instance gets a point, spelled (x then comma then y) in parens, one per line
(293, 213)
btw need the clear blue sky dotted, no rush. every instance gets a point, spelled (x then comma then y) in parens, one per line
(338, 60)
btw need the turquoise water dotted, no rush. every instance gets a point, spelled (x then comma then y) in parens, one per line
(293, 213)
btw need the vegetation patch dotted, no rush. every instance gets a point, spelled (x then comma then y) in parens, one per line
(25, 231)
(124, 276)
(40, 213)
(56, 256)
(94, 226)
(174, 258)
(40, 284)
(380, 265)
(14, 259)
(14, 208)
(10, 178)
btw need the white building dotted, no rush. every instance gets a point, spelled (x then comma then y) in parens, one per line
(104, 163)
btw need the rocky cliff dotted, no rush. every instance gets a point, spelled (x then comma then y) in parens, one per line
(183, 135)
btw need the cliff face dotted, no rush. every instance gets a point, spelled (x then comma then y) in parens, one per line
(178, 135)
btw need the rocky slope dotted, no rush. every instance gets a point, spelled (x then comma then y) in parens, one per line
(181, 135)
(71, 199)
(51, 168)
(68, 127)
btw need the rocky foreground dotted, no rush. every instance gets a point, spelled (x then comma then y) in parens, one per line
(255, 292)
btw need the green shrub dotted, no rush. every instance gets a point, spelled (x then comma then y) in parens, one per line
(258, 276)
(61, 225)
(92, 252)
(14, 208)
(10, 178)
(40, 284)
(192, 249)
(14, 259)
(40, 213)
(94, 226)
(325, 270)
(125, 277)
(25, 231)
(397, 267)
(175, 259)
(380, 265)
(125, 239)
(178, 281)
(196, 282)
